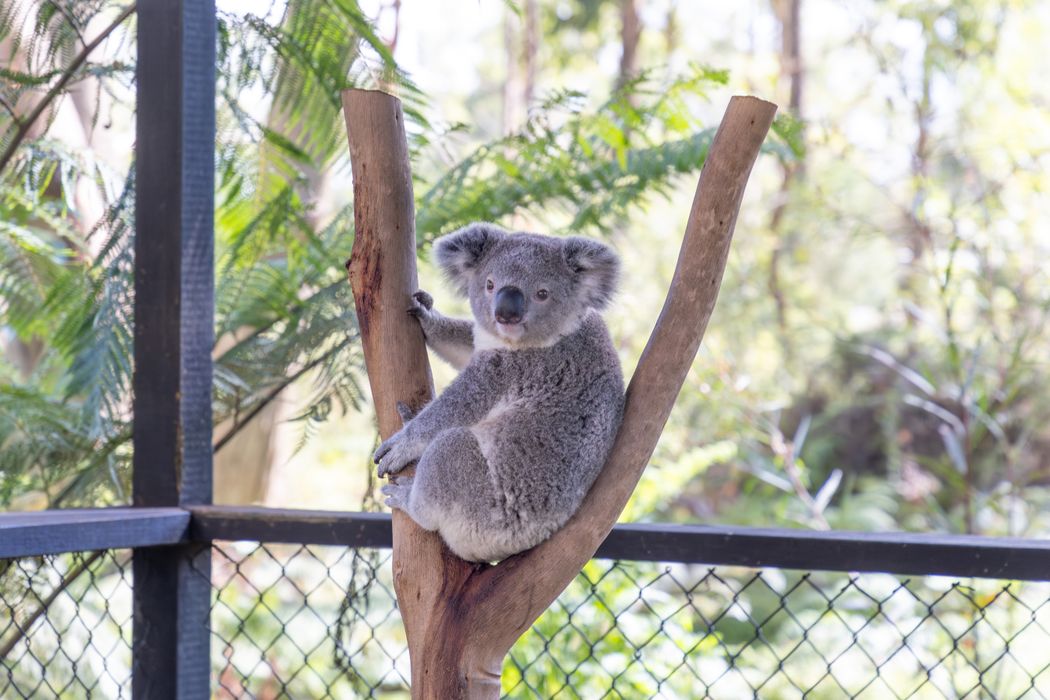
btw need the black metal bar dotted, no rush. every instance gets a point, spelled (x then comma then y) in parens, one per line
(291, 526)
(56, 531)
(888, 552)
(174, 310)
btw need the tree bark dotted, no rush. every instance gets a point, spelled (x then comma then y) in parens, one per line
(382, 272)
(530, 49)
(789, 16)
(630, 33)
(461, 619)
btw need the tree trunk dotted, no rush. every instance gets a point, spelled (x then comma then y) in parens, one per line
(460, 618)
(788, 13)
(382, 272)
(512, 81)
(630, 33)
(530, 49)
(521, 42)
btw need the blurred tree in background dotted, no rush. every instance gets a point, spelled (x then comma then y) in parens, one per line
(879, 358)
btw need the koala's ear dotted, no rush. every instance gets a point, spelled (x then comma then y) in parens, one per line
(596, 268)
(460, 252)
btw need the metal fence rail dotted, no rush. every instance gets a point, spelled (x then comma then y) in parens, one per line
(317, 621)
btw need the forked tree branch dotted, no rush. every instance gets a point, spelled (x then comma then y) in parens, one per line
(461, 619)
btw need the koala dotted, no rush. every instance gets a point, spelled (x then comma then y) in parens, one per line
(508, 451)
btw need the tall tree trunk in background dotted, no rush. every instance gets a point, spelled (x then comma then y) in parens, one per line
(788, 14)
(671, 29)
(530, 49)
(521, 40)
(918, 228)
(512, 80)
(391, 43)
(630, 33)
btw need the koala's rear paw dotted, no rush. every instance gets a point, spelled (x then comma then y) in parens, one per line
(397, 493)
(422, 303)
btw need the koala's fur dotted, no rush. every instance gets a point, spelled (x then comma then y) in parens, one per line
(509, 450)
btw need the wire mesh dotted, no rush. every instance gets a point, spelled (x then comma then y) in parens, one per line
(303, 621)
(321, 622)
(65, 626)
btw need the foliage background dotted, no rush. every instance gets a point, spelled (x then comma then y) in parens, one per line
(878, 359)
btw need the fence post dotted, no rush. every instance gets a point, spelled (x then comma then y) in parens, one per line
(174, 316)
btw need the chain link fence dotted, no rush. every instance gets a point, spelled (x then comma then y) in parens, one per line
(292, 621)
(65, 626)
(283, 626)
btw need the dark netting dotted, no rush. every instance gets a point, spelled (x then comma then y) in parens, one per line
(65, 626)
(285, 626)
(316, 622)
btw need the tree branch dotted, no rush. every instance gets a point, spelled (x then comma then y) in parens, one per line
(382, 274)
(529, 582)
(57, 88)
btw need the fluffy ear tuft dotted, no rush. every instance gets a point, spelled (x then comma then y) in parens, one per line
(460, 252)
(596, 268)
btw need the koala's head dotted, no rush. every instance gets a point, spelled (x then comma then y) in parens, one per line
(525, 289)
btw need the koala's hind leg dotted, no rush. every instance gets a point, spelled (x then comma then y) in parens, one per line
(452, 492)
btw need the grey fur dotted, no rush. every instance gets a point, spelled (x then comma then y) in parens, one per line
(509, 450)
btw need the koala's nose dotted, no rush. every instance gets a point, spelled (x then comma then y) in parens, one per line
(510, 305)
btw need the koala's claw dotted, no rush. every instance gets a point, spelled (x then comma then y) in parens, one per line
(397, 493)
(422, 303)
(396, 453)
(424, 299)
(405, 411)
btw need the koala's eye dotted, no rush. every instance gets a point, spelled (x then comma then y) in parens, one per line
(489, 286)
(542, 294)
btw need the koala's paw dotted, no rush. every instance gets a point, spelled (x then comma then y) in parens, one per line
(422, 304)
(397, 452)
(397, 493)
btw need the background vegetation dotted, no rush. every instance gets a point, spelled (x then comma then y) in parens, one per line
(879, 357)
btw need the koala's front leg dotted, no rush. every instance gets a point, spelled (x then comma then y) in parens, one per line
(464, 402)
(451, 338)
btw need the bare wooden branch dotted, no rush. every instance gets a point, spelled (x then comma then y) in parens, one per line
(382, 271)
(463, 619)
